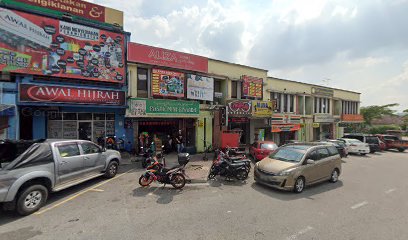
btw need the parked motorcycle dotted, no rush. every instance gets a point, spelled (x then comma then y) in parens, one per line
(224, 167)
(234, 156)
(157, 172)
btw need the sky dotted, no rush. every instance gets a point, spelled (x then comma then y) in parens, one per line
(355, 45)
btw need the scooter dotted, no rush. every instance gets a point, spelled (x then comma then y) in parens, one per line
(223, 167)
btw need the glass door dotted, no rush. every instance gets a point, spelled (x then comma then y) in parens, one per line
(85, 130)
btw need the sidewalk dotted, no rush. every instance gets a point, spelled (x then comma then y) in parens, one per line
(196, 170)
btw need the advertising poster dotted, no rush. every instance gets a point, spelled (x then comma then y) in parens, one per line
(43, 46)
(239, 108)
(167, 83)
(200, 87)
(252, 87)
(262, 108)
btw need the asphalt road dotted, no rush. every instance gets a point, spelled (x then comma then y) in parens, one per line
(369, 202)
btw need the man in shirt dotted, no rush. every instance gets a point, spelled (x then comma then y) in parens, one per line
(179, 142)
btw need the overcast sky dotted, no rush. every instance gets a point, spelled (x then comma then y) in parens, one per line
(356, 45)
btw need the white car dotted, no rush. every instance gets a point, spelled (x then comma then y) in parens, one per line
(356, 146)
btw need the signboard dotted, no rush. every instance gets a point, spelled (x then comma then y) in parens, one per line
(49, 47)
(239, 108)
(218, 94)
(352, 118)
(316, 125)
(200, 87)
(252, 87)
(262, 108)
(77, 8)
(61, 94)
(282, 118)
(162, 107)
(323, 118)
(167, 58)
(238, 120)
(285, 127)
(323, 92)
(167, 83)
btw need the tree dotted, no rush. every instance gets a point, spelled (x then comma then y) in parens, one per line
(372, 112)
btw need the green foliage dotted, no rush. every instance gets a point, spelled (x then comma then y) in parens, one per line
(382, 129)
(372, 112)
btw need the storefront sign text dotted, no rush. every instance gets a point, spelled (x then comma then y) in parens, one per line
(161, 107)
(352, 118)
(285, 127)
(262, 108)
(200, 87)
(60, 94)
(323, 92)
(323, 118)
(167, 83)
(163, 57)
(239, 108)
(252, 87)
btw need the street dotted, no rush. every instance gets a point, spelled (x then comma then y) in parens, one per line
(368, 202)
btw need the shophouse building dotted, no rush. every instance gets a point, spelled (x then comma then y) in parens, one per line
(63, 71)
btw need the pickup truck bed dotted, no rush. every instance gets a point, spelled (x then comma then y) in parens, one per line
(393, 142)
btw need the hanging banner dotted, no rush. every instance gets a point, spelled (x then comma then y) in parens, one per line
(239, 108)
(200, 87)
(252, 86)
(162, 107)
(262, 109)
(167, 83)
(49, 47)
(61, 94)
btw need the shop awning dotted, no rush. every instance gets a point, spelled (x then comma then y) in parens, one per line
(285, 127)
(7, 110)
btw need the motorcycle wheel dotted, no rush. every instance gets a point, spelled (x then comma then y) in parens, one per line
(145, 182)
(241, 174)
(178, 181)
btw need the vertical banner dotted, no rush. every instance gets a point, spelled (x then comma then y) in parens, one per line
(252, 87)
(167, 83)
(200, 87)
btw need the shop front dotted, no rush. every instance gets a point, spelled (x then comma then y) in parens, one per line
(323, 127)
(8, 117)
(261, 115)
(285, 128)
(162, 119)
(239, 113)
(66, 112)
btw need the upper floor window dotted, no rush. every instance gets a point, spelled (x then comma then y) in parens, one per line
(217, 85)
(350, 107)
(322, 105)
(234, 89)
(284, 102)
(142, 79)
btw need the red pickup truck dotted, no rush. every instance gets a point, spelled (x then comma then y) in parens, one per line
(393, 142)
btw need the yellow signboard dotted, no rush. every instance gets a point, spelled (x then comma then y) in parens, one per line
(316, 125)
(262, 108)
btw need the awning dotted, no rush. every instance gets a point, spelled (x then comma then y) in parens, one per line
(7, 110)
(285, 127)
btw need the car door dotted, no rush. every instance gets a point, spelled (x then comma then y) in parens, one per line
(324, 164)
(70, 162)
(309, 170)
(94, 159)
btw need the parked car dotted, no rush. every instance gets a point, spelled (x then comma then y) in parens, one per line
(356, 146)
(293, 166)
(393, 142)
(51, 166)
(341, 146)
(371, 140)
(383, 146)
(260, 150)
(10, 149)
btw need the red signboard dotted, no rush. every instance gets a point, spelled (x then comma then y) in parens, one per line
(167, 83)
(252, 86)
(60, 94)
(49, 47)
(162, 57)
(352, 118)
(285, 127)
(239, 108)
(73, 7)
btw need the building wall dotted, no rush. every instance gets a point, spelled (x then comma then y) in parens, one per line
(132, 80)
(204, 114)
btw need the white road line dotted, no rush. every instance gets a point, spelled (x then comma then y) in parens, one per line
(298, 234)
(359, 205)
(390, 191)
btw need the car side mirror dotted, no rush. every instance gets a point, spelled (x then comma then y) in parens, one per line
(310, 161)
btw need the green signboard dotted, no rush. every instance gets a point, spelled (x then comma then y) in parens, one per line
(162, 107)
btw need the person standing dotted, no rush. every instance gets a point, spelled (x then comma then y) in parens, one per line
(179, 142)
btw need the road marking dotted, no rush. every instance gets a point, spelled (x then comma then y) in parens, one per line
(390, 191)
(359, 205)
(80, 193)
(301, 232)
(96, 190)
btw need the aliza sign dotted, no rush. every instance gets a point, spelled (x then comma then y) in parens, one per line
(162, 107)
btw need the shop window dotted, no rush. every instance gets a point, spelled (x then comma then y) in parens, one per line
(70, 130)
(110, 128)
(234, 89)
(99, 116)
(98, 130)
(54, 115)
(84, 116)
(69, 116)
(110, 116)
(142, 80)
(217, 85)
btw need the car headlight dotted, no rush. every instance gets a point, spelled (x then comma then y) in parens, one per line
(285, 173)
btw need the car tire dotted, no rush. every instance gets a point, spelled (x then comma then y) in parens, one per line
(111, 170)
(299, 185)
(401, 149)
(31, 199)
(363, 154)
(334, 177)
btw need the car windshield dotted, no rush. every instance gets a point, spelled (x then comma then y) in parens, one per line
(355, 141)
(269, 146)
(288, 154)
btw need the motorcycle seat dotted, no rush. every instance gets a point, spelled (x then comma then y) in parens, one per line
(237, 164)
(171, 168)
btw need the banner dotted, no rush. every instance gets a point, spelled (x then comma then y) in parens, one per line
(140, 53)
(239, 108)
(167, 83)
(252, 86)
(162, 107)
(262, 108)
(285, 128)
(60, 94)
(43, 46)
(200, 88)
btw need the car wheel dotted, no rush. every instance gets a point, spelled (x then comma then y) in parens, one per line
(334, 176)
(111, 170)
(363, 154)
(299, 185)
(401, 149)
(31, 199)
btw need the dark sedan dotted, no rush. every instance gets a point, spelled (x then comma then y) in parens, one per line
(341, 146)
